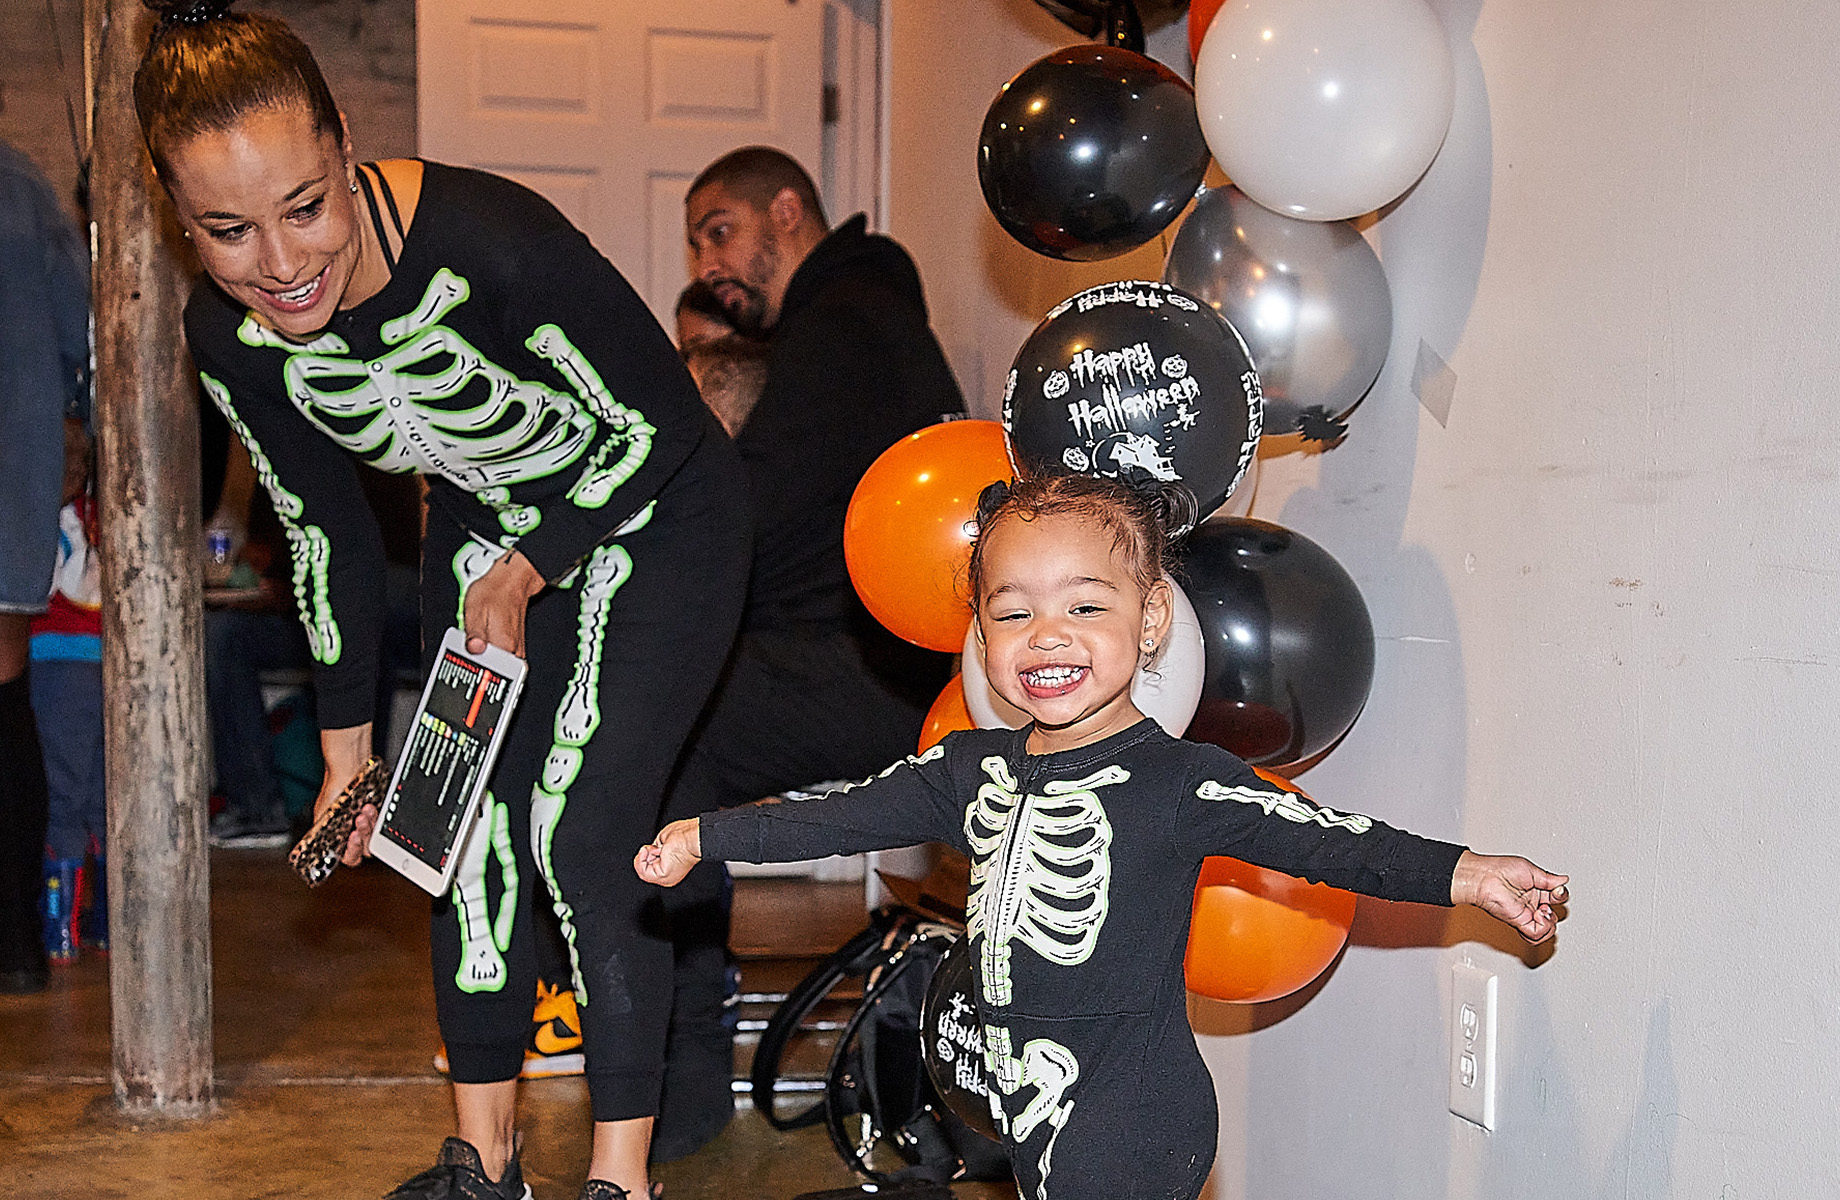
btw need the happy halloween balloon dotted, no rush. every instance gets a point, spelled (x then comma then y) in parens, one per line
(1139, 382)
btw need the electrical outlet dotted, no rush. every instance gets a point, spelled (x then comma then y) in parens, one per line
(1472, 1044)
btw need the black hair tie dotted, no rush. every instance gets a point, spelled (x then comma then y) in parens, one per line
(990, 500)
(1174, 507)
(198, 12)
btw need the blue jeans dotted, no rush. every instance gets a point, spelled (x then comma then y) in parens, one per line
(67, 703)
(44, 321)
(238, 647)
(240, 644)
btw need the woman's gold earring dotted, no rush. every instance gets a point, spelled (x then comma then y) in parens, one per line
(354, 187)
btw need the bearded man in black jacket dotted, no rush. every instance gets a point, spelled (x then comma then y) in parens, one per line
(815, 689)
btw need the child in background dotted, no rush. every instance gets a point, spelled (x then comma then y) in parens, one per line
(1086, 831)
(730, 367)
(67, 703)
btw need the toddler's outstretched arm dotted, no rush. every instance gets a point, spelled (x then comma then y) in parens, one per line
(669, 856)
(1510, 889)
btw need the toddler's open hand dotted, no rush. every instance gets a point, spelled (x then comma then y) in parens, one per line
(1510, 889)
(669, 857)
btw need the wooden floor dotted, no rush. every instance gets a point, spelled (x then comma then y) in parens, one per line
(325, 1037)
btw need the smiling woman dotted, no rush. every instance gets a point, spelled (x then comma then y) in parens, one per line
(278, 231)
(453, 324)
(252, 149)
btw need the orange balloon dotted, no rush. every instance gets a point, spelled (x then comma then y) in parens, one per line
(1200, 16)
(907, 535)
(948, 715)
(1258, 934)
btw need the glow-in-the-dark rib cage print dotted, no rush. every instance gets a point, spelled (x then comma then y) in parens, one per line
(1041, 873)
(308, 546)
(1090, 1067)
(1041, 870)
(436, 404)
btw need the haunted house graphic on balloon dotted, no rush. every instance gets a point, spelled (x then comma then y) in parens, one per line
(1138, 382)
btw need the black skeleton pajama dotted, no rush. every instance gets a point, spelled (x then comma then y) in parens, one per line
(1083, 869)
(622, 659)
(510, 365)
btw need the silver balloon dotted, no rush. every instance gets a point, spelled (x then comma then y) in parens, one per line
(1309, 297)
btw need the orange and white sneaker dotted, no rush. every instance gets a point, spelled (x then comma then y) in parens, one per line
(555, 1036)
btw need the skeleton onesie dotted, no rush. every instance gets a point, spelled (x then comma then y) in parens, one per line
(1083, 869)
(509, 364)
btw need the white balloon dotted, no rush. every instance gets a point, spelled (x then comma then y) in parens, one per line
(1325, 109)
(1168, 693)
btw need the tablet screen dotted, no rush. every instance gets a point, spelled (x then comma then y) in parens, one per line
(443, 757)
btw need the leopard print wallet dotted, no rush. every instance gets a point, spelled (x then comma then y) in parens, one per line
(316, 856)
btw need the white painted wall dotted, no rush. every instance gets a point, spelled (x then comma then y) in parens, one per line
(1605, 597)
(365, 47)
(984, 290)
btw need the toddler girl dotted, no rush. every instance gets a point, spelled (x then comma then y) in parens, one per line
(1086, 830)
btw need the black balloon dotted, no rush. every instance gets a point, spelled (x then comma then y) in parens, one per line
(1290, 646)
(1135, 381)
(1116, 19)
(952, 1040)
(1090, 152)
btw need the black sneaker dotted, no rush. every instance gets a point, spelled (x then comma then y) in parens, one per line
(25, 981)
(458, 1174)
(23, 969)
(600, 1189)
(238, 831)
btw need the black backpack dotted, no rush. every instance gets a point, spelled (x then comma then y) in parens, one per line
(883, 1115)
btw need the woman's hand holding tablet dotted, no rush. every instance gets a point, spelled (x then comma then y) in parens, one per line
(429, 809)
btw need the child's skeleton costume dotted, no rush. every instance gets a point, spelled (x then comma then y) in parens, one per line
(512, 366)
(1083, 869)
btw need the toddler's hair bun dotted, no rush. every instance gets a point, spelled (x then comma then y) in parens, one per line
(990, 500)
(188, 12)
(1175, 509)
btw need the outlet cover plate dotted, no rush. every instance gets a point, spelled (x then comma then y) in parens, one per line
(1473, 994)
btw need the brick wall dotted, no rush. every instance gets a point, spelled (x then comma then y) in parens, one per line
(365, 47)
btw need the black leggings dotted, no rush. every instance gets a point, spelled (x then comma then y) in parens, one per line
(23, 807)
(623, 655)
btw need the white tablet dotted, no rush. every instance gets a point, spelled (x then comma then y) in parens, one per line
(433, 799)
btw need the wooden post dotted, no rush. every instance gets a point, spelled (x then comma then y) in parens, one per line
(152, 608)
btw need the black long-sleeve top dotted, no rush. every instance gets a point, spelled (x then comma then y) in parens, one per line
(506, 360)
(1083, 874)
(1168, 804)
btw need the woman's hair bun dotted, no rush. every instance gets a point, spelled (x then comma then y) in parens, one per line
(188, 12)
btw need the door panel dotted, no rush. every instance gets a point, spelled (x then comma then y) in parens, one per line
(611, 108)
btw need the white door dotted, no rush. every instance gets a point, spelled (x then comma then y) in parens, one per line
(611, 107)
